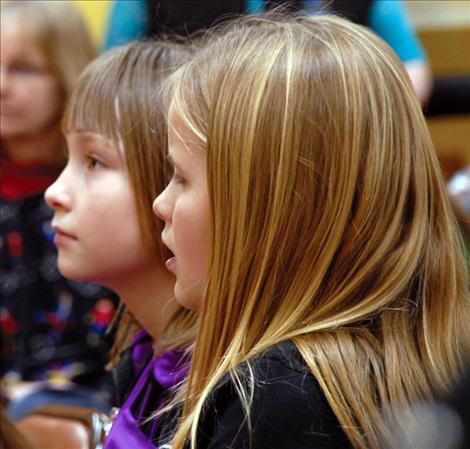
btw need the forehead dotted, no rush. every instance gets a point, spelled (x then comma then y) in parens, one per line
(176, 125)
(18, 44)
(180, 134)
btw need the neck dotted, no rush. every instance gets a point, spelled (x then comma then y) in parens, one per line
(149, 297)
(43, 147)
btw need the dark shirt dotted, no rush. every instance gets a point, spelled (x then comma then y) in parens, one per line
(289, 409)
(50, 327)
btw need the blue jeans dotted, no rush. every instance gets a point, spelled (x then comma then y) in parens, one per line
(76, 395)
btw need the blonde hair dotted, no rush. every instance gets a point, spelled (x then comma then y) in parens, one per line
(331, 225)
(118, 97)
(60, 32)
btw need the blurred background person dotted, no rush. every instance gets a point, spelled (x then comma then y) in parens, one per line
(130, 20)
(52, 330)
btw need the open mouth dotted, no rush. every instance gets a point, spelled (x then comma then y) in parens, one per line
(169, 256)
(170, 263)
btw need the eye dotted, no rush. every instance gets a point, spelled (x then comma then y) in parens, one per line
(177, 178)
(24, 69)
(92, 162)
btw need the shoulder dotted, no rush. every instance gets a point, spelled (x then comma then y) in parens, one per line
(390, 20)
(281, 357)
(288, 408)
(281, 378)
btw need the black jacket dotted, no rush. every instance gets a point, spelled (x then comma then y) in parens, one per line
(289, 409)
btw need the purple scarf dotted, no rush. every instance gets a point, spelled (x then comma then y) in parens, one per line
(168, 370)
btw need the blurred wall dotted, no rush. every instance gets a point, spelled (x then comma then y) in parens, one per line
(444, 30)
(96, 14)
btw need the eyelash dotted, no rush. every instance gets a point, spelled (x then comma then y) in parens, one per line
(178, 179)
(92, 162)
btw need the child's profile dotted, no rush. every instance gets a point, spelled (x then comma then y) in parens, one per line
(330, 283)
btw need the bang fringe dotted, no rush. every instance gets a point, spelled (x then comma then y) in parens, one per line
(91, 107)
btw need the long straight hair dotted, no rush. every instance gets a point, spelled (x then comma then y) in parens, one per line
(331, 225)
(118, 97)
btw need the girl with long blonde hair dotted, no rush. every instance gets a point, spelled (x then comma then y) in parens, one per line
(310, 230)
(106, 231)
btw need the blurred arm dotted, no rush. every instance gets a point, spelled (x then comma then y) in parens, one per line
(389, 19)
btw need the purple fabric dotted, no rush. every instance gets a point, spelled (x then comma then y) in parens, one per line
(125, 432)
(169, 370)
(141, 350)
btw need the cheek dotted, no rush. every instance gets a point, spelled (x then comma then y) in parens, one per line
(115, 213)
(41, 103)
(192, 240)
(110, 241)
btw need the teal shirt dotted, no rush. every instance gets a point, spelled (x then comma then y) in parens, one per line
(388, 18)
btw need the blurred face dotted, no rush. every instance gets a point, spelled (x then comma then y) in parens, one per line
(97, 231)
(30, 96)
(185, 208)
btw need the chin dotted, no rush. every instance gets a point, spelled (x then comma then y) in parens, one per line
(189, 298)
(71, 272)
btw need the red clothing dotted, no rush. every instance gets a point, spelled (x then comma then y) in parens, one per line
(18, 181)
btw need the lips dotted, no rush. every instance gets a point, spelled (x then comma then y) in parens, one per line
(62, 237)
(171, 261)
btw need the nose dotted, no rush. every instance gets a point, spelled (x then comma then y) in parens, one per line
(161, 206)
(56, 195)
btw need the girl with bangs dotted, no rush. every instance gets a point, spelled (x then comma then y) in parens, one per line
(106, 231)
(310, 230)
